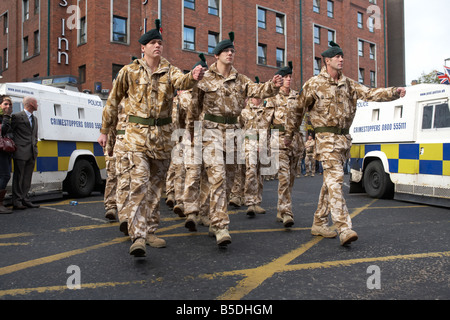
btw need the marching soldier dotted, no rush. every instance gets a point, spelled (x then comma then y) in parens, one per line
(256, 119)
(288, 155)
(148, 86)
(331, 100)
(217, 102)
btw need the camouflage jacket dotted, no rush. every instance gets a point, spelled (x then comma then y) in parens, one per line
(281, 106)
(333, 104)
(147, 95)
(255, 117)
(225, 97)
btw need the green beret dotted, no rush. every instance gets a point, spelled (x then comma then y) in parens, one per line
(333, 51)
(257, 80)
(224, 44)
(202, 61)
(286, 70)
(152, 34)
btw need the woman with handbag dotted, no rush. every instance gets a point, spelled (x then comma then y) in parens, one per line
(5, 157)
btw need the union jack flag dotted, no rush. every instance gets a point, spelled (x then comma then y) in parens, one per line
(443, 78)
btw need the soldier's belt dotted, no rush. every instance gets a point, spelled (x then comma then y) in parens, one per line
(335, 130)
(279, 127)
(120, 132)
(220, 119)
(150, 121)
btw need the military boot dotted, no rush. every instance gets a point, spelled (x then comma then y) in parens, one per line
(323, 231)
(179, 210)
(191, 222)
(137, 249)
(154, 241)
(347, 236)
(223, 237)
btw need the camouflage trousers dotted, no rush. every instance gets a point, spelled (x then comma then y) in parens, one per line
(310, 163)
(239, 181)
(123, 182)
(146, 178)
(286, 177)
(111, 182)
(175, 179)
(196, 187)
(331, 198)
(254, 182)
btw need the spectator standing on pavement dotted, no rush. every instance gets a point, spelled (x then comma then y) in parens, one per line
(331, 100)
(5, 158)
(25, 128)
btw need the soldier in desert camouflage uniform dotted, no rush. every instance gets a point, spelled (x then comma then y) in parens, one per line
(148, 86)
(177, 172)
(288, 156)
(256, 119)
(217, 102)
(331, 99)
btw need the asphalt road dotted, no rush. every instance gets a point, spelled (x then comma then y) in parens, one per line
(403, 252)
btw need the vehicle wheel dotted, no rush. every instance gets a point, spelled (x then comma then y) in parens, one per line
(377, 182)
(82, 179)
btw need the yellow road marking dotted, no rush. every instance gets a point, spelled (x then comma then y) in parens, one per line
(15, 235)
(255, 277)
(25, 291)
(14, 244)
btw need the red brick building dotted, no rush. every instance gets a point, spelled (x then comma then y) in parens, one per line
(92, 40)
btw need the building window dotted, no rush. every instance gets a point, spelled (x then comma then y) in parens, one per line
(115, 70)
(82, 37)
(120, 29)
(280, 23)
(5, 59)
(373, 79)
(189, 38)
(316, 6)
(190, 4)
(317, 66)
(316, 34)
(262, 54)
(5, 23)
(330, 37)
(36, 6)
(371, 24)
(25, 47)
(360, 48)
(213, 7)
(280, 58)
(360, 20)
(330, 9)
(372, 52)
(26, 10)
(361, 76)
(213, 40)
(261, 18)
(37, 42)
(82, 74)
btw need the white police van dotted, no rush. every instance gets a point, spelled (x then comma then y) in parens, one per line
(69, 157)
(401, 148)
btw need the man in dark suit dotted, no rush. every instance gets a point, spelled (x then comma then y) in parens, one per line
(25, 127)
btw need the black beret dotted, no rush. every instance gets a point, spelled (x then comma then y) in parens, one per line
(202, 61)
(152, 34)
(333, 51)
(224, 44)
(286, 70)
(257, 80)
